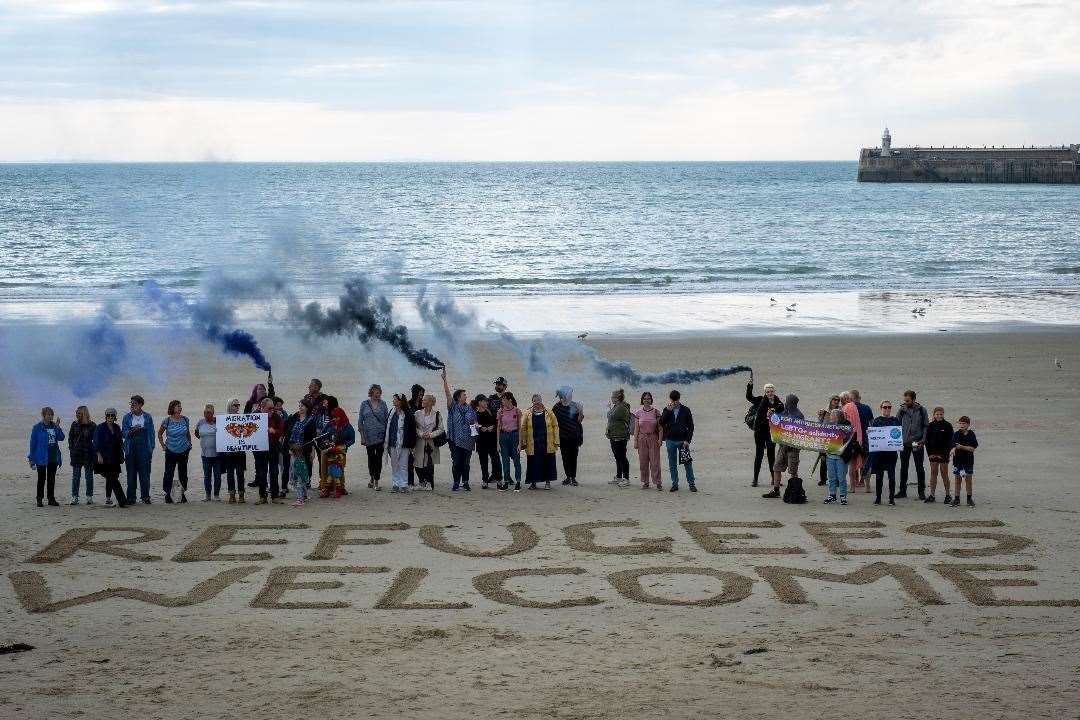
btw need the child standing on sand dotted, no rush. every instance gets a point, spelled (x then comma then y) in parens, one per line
(300, 472)
(939, 437)
(963, 458)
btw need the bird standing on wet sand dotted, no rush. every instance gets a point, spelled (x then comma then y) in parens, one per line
(791, 307)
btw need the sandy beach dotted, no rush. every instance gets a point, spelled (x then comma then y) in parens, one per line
(644, 612)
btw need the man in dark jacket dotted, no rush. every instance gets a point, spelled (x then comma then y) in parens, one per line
(914, 421)
(677, 428)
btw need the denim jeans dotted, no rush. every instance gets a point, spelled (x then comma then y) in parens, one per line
(137, 465)
(211, 474)
(672, 447)
(510, 450)
(459, 468)
(836, 470)
(77, 471)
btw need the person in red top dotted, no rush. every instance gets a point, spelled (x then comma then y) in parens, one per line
(266, 461)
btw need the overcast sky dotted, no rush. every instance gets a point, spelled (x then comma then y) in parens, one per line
(507, 80)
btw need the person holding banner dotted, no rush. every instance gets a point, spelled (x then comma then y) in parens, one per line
(233, 464)
(822, 459)
(787, 458)
(764, 405)
(266, 461)
(884, 447)
(836, 466)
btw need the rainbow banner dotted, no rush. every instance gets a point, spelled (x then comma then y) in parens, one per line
(807, 435)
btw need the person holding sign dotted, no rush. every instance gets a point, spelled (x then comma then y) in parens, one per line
(762, 406)
(883, 457)
(233, 464)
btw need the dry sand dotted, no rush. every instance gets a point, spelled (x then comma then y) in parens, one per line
(485, 636)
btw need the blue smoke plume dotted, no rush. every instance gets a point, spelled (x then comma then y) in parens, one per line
(210, 317)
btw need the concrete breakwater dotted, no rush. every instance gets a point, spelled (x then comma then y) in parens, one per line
(1052, 165)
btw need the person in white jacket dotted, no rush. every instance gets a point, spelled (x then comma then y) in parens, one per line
(399, 442)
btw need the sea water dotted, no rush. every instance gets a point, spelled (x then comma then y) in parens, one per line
(713, 242)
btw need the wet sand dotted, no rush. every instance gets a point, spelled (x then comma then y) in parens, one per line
(602, 639)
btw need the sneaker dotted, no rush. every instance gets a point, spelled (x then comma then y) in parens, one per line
(517, 487)
(108, 502)
(754, 483)
(53, 503)
(207, 498)
(547, 486)
(532, 486)
(168, 500)
(183, 498)
(466, 487)
(774, 493)
(674, 488)
(830, 499)
(253, 484)
(298, 503)
(929, 499)
(483, 486)
(240, 499)
(405, 490)
(948, 500)
(393, 489)
(877, 501)
(970, 502)
(892, 502)
(573, 483)
(821, 483)
(146, 501)
(693, 488)
(614, 480)
(74, 501)
(902, 495)
(567, 481)
(262, 500)
(500, 487)
(624, 483)
(455, 487)
(89, 499)
(645, 486)
(922, 496)
(956, 502)
(659, 488)
(843, 501)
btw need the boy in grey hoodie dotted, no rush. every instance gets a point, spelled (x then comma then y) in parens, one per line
(914, 421)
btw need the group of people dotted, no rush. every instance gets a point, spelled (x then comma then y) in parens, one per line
(924, 435)
(408, 434)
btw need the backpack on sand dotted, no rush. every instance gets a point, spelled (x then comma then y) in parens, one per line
(794, 492)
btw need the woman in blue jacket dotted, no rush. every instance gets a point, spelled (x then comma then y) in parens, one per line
(44, 455)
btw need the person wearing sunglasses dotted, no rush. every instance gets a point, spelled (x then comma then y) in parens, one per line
(885, 460)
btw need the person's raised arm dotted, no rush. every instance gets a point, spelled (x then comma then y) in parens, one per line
(446, 387)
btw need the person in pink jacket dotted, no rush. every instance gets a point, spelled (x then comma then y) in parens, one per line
(645, 429)
(851, 412)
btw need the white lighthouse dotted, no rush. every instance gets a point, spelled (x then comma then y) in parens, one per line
(886, 142)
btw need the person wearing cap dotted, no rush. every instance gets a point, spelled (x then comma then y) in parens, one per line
(569, 413)
(494, 404)
(109, 457)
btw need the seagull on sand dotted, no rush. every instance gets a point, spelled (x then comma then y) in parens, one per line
(1057, 363)
(582, 336)
(791, 307)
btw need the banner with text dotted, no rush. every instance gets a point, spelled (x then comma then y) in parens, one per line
(242, 433)
(890, 437)
(808, 435)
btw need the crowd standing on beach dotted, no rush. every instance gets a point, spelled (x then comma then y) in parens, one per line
(309, 447)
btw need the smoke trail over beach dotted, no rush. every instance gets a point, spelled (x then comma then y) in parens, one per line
(77, 358)
(365, 313)
(531, 352)
(624, 372)
(212, 315)
(442, 314)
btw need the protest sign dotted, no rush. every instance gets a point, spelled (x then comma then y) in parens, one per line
(807, 435)
(242, 433)
(885, 438)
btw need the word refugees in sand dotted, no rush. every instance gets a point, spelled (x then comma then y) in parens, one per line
(403, 588)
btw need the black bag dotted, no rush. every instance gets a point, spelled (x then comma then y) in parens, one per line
(751, 417)
(850, 450)
(439, 440)
(685, 458)
(794, 492)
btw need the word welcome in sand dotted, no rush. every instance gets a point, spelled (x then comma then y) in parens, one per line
(976, 582)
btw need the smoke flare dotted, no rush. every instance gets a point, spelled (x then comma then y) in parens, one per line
(211, 316)
(367, 314)
(626, 373)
